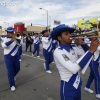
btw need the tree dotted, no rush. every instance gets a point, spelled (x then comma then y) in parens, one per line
(0, 27)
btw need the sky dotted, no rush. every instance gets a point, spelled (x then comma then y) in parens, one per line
(66, 11)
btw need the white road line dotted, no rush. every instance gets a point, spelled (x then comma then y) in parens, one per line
(32, 57)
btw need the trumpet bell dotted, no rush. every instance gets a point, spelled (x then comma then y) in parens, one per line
(18, 35)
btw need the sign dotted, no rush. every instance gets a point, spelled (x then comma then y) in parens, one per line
(87, 23)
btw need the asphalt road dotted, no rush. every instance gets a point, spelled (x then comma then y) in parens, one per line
(33, 83)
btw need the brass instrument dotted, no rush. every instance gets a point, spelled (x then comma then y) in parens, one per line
(18, 36)
(91, 34)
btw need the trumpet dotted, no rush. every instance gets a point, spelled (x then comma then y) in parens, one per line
(91, 34)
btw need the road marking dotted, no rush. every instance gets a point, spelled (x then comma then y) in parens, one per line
(32, 57)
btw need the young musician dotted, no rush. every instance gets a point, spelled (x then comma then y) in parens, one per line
(47, 49)
(11, 56)
(68, 64)
(36, 44)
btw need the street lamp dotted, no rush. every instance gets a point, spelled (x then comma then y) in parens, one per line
(7, 23)
(47, 16)
(49, 20)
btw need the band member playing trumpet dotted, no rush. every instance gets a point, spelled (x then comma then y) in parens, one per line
(68, 64)
(11, 56)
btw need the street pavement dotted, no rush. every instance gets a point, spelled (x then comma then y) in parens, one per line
(33, 83)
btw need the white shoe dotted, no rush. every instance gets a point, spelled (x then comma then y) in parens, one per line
(32, 55)
(20, 60)
(49, 71)
(13, 88)
(44, 65)
(98, 96)
(89, 90)
(38, 56)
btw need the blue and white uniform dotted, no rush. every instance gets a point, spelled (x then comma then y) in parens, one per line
(11, 57)
(47, 51)
(36, 44)
(94, 65)
(68, 65)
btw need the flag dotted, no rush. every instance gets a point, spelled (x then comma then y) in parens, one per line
(57, 22)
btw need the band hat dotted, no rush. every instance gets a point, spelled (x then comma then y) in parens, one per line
(10, 29)
(44, 31)
(59, 29)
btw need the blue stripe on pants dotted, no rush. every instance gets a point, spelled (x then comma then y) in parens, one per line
(94, 75)
(68, 92)
(13, 67)
(48, 58)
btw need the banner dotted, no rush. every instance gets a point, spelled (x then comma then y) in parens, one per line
(87, 23)
(57, 22)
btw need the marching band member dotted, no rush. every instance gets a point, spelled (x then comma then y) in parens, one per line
(36, 44)
(11, 56)
(47, 49)
(94, 72)
(68, 64)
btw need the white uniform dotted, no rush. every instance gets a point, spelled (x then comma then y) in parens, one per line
(36, 39)
(68, 63)
(47, 43)
(9, 47)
